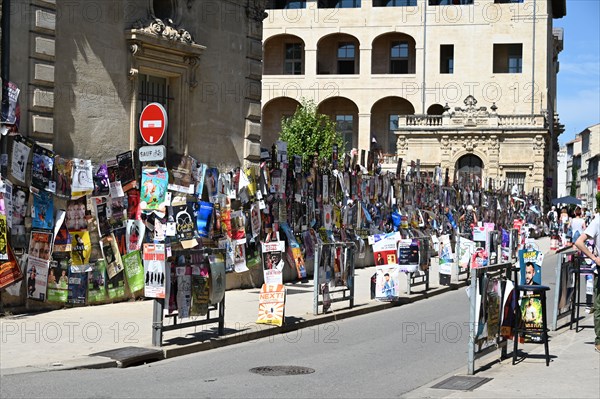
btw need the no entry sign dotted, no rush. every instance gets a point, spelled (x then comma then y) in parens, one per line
(153, 123)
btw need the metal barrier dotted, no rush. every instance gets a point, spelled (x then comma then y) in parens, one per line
(157, 314)
(420, 277)
(482, 294)
(347, 291)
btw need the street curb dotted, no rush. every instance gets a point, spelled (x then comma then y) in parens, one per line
(83, 363)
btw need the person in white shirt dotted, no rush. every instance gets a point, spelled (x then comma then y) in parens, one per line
(593, 232)
(577, 225)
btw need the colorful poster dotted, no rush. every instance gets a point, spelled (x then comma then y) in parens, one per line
(75, 219)
(102, 212)
(3, 237)
(154, 188)
(77, 287)
(184, 221)
(121, 239)
(58, 279)
(10, 272)
(239, 260)
(384, 248)
(41, 171)
(81, 249)
(82, 181)
(110, 252)
(101, 182)
(118, 211)
(126, 171)
(408, 254)
(37, 278)
(134, 212)
(294, 251)
(273, 262)
(154, 270)
(466, 249)
(217, 278)
(200, 290)
(227, 245)
(201, 174)
(530, 268)
(271, 305)
(446, 257)
(134, 270)
(116, 287)
(203, 218)
(40, 245)
(42, 212)
(135, 234)
(181, 171)
(62, 238)
(63, 172)
(8, 202)
(387, 282)
(212, 176)
(255, 220)
(20, 157)
(531, 317)
(97, 280)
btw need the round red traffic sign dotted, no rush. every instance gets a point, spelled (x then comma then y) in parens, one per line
(153, 123)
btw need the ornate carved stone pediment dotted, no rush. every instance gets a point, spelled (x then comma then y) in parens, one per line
(163, 29)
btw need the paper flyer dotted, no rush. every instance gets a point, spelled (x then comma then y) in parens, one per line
(183, 215)
(101, 182)
(76, 219)
(239, 247)
(408, 254)
(217, 278)
(384, 248)
(20, 157)
(200, 290)
(273, 262)
(387, 282)
(271, 305)
(126, 171)
(81, 248)
(134, 270)
(294, 251)
(110, 253)
(154, 270)
(20, 200)
(37, 278)
(135, 231)
(212, 176)
(58, 279)
(42, 212)
(82, 182)
(201, 174)
(184, 290)
(63, 173)
(203, 218)
(3, 238)
(8, 202)
(97, 280)
(530, 269)
(154, 188)
(446, 257)
(10, 271)
(41, 170)
(40, 245)
(77, 288)
(134, 211)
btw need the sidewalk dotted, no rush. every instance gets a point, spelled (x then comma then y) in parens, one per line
(64, 339)
(573, 372)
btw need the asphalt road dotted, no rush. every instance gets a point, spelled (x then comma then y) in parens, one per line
(382, 354)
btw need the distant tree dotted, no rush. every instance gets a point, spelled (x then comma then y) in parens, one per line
(308, 133)
(574, 181)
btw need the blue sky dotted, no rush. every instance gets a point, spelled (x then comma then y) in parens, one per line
(579, 77)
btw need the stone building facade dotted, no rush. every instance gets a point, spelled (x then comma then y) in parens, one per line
(467, 85)
(86, 69)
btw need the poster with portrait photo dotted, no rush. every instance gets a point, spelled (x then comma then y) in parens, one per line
(530, 268)
(63, 172)
(387, 283)
(58, 278)
(126, 171)
(20, 157)
(181, 173)
(82, 178)
(273, 263)
(41, 170)
(20, 200)
(40, 245)
(77, 287)
(76, 211)
(37, 278)
(118, 211)
(102, 217)
(212, 177)
(42, 212)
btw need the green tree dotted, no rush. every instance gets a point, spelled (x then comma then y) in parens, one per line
(308, 133)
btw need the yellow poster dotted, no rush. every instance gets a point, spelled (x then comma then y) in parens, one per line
(271, 304)
(81, 248)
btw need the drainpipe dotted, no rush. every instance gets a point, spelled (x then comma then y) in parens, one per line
(5, 65)
(533, 59)
(424, 53)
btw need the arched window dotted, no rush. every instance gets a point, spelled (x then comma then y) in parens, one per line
(469, 169)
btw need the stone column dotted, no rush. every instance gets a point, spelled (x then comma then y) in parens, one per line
(364, 131)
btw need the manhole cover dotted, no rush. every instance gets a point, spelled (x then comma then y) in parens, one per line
(460, 383)
(275, 371)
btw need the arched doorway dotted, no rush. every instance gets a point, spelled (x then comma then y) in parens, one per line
(469, 170)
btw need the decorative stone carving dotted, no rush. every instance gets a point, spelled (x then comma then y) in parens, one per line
(256, 10)
(164, 29)
(194, 63)
(402, 144)
(470, 144)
